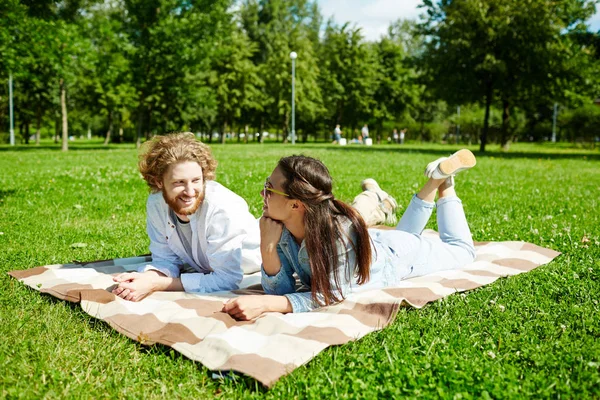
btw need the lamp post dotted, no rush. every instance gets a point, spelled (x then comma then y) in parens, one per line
(554, 122)
(458, 125)
(293, 56)
(10, 106)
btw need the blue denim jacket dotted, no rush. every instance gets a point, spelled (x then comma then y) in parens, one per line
(294, 259)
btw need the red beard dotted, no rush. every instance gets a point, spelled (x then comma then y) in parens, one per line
(178, 209)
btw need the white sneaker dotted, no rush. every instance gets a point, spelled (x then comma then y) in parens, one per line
(445, 167)
(371, 185)
(387, 203)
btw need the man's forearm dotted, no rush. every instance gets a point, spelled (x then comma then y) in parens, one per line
(163, 283)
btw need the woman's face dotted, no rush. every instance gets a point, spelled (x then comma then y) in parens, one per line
(276, 203)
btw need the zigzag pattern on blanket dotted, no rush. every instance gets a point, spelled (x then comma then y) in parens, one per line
(275, 344)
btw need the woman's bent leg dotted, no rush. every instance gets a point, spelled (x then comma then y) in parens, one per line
(454, 250)
(416, 216)
(453, 228)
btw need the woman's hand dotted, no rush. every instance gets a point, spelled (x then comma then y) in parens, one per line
(270, 234)
(246, 308)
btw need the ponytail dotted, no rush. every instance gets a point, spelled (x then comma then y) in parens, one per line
(308, 180)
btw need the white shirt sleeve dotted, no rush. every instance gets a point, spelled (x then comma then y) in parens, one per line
(163, 258)
(226, 231)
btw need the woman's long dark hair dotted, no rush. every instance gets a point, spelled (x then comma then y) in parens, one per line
(308, 180)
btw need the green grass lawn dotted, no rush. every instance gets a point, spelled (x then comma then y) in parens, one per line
(533, 335)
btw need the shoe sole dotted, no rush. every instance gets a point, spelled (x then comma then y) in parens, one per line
(462, 159)
(370, 184)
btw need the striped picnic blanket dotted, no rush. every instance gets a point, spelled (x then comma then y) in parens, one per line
(274, 344)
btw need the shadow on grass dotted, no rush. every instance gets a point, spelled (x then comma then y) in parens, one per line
(218, 377)
(72, 147)
(554, 153)
(589, 155)
(6, 193)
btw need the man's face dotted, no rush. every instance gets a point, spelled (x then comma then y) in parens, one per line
(183, 187)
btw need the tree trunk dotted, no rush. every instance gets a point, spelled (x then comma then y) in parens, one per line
(338, 118)
(246, 131)
(261, 129)
(486, 120)
(38, 125)
(504, 140)
(223, 132)
(285, 127)
(27, 132)
(138, 134)
(65, 123)
(149, 119)
(110, 128)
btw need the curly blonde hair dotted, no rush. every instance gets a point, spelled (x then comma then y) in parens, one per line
(159, 153)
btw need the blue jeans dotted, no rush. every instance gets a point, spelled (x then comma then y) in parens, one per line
(415, 255)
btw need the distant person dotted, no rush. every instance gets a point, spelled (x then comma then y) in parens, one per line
(202, 236)
(395, 135)
(402, 135)
(364, 132)
(337, 134)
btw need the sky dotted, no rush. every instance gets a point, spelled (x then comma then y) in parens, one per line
(374, 16)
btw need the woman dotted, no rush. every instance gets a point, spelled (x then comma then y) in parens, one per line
(306, 231)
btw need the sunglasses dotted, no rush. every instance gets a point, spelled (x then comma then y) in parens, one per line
(268, 188)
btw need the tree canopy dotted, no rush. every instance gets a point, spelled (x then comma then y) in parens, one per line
(128, 69)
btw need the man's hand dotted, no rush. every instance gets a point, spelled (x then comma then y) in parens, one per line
(270, 234)
(134, 286)
(246, 308)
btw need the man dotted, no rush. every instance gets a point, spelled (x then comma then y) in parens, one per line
(337, 134)
(364, 133)
(202, 236)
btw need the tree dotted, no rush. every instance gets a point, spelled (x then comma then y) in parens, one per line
(582, 123)
(22, 42)
(235, 79)
(174, 42)
(57, 55)
(279, 27)
(349, 76)
(108, 87)
(397, 86)
(500, 49)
